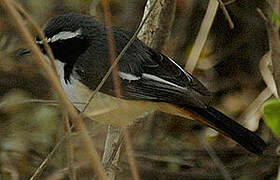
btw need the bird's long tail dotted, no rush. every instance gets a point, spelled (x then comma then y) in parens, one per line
(225, 125)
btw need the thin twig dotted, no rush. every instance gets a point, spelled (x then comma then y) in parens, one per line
(112, 47)
(252, 114)
(266, 73)
(40, 101)
(40, 33)
(14, 103)
(8, 5)
(262, 15)
(230, 2)
(43, 164)
(69, 147)
(228, 18)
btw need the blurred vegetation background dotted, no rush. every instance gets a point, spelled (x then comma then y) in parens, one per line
(167, 147)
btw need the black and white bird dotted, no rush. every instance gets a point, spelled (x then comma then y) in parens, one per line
(149, 80)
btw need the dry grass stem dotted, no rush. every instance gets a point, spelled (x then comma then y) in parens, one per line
(202, 35)
(55, 83)
(43, 164)
(267, 75)
(228, 18)
(253, 112)
(251, 115)
(7, 104)
(39, 101)
(260, 12)
(69, 147)
(229, 2)
(112, 47)
(40, 33)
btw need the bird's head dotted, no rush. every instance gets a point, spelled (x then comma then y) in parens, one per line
(68, 35)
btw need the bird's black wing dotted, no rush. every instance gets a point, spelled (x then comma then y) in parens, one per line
(144, 73)
(159, 78)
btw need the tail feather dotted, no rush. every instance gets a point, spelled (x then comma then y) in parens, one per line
(230, 128)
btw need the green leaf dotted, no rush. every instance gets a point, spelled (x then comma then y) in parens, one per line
(275, 18)
(271, 112)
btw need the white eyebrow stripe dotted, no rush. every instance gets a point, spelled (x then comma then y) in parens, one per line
(128, 76)
(63, 35)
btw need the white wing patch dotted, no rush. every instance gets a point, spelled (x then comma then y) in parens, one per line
(131, 77)
(63, 35)
(155, 78)
(188, 76)
(127, 76)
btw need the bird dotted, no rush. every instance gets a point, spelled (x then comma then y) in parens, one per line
(148, 80)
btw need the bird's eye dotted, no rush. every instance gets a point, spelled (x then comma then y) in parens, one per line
(38, 40)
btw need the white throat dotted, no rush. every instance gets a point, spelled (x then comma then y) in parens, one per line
(75, 90)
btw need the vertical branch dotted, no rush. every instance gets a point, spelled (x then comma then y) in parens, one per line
(274, 42)
(112, 149)
(274, 45)
(157, 28)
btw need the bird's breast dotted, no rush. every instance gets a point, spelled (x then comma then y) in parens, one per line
(103, 108)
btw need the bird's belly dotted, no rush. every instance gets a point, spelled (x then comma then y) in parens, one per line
(104, 108)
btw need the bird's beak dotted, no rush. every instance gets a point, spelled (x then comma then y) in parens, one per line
(23, 51)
